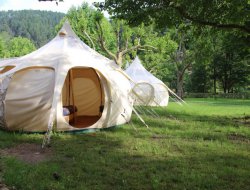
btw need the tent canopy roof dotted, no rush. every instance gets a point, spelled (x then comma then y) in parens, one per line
(139, 74)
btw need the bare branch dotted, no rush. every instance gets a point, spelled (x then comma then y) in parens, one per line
(137, 47)
(90, 39)
(102, 42)
(185, 68)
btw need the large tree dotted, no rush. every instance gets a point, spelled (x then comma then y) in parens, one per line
(233, 14)
(160, 62)
(220, 62)
(182, 58)
(232, 63)
(114, 38)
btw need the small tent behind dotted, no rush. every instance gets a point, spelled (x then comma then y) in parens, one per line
(65, 83)
(147, 89)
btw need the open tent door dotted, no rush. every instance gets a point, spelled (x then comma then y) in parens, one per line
(82, 97)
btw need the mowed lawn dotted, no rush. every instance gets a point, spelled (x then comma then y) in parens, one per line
(202, 145)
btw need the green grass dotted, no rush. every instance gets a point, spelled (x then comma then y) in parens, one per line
(203, 145)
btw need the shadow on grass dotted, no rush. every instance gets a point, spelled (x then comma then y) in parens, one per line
(108, 161)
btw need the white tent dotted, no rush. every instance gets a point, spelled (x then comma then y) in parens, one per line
(65, 83)
(147, 89)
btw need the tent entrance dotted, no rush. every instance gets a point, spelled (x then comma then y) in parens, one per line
(82, 97)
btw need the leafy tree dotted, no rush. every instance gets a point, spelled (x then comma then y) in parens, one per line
(232, 63)
(4, 41)
(220, 61)
(114, 38)
(1, 48)
(233, 14)
(203, 47)
(182, 57)
(159, 61)
(20, 46)
(6, 37)
(199, 78)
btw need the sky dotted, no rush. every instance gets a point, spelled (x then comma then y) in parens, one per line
(36, 5)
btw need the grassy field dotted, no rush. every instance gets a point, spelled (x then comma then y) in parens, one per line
(203, 145)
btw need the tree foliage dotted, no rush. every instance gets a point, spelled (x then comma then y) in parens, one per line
(221, 62)
(20, 46)
(1, 48)
(38, 26)
(233, 14)
(113, 38)
(232, 62)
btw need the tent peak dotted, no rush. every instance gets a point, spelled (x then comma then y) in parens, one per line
(66, 30)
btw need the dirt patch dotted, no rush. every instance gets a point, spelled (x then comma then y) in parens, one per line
(160, 137)
(29, 153)
(238, 137)
(5, 187)
(243, 120)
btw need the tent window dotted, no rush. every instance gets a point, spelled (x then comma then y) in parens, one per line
(82, 97)
(6, 69)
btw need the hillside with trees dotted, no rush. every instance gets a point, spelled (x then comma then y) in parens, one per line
(38, 26)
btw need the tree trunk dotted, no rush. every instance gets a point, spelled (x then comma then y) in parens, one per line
(224, 87)
(214, 80)
(119, 59)
(180, 91)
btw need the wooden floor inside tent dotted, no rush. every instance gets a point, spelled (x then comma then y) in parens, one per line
(84, 121)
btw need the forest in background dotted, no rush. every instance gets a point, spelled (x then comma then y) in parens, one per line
(23, 31)
(186, 57)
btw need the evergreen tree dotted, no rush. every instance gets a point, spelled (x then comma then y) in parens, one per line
(36, 25)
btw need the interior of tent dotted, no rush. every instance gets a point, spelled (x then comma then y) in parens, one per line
(82, 97)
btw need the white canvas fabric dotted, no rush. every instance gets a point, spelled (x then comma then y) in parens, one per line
(147, 89)
(34, 94)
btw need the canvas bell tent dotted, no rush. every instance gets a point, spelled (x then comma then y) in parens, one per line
(65, 83)
(146, 88)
